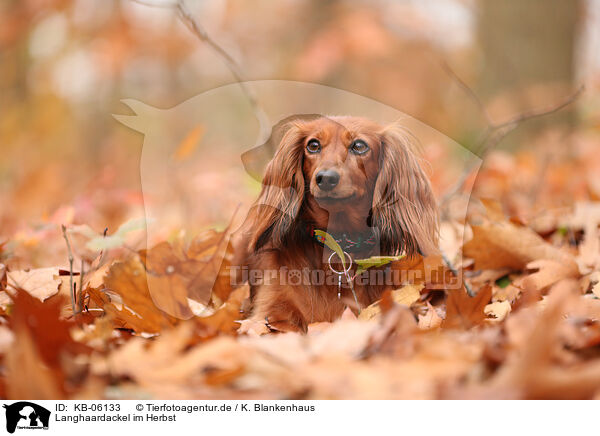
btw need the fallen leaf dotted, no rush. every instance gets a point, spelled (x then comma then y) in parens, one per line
(28, 377)
(509, 293)
(7, 338)
(128, 279)
(167, 370)
(465, 311)
(44, 342)
(498, 309)
(596, 285)
(405, 296)
(498, 245)
(430, 320)
(41, 283)
(98, 242)
(254, 327)
(225, 319)
(549, 272)
(189, 143)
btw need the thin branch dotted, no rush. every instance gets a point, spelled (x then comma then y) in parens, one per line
(156, 4)
(454, 271)
(467, 89)
(192, 24)
(496, 132)
(70, 253)
(506, 127)
(79, 299)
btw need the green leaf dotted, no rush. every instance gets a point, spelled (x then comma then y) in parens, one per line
(332, 245)
(105, 243)
(503, 282)
(130, 226)
(374, 261)
(83, 229)
(101, 242)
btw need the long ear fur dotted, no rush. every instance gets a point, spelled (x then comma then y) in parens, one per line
(282, 193)
(404, 210)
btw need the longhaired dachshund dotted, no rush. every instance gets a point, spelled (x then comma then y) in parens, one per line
(358, 181)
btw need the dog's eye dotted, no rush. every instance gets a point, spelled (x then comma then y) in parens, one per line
(359, 147)
(313, 146)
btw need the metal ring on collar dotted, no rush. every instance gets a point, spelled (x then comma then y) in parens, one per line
(345, 271)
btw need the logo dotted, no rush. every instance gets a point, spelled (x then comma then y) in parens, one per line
(26, 415)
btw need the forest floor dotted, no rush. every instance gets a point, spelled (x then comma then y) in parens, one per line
(531, 257)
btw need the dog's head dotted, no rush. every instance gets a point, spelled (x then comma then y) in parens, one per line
(343, 174)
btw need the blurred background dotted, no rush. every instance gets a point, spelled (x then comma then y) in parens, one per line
(458, 66)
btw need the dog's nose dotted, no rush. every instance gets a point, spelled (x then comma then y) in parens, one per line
(327, 179)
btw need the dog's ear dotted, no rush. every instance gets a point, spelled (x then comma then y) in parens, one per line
(404, 210)
(256, 159)
(282, 193)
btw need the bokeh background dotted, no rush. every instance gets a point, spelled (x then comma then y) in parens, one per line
(455, 65)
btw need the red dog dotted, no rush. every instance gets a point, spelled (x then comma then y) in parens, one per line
(353, 178)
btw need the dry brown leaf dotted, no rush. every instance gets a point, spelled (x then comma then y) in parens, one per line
(168, 269)
(28, 377)
(452, 236)
(509, 293)
(493, 209)
(498, 309)
(532, 373)
(498, 245)
(204, 246)
(488, 276)
(189, 144)
(254, 327)
(583, 214)
(347, 315)
(3, 278)
(45, 344)
(128, 280)
(430, 271)
(596, 284)
(198, 273)
(346, 337)
(587, 217)
(42, 283)
(169, 294)
(406, 296)
(431, 319)
(464, 311)
(165, 369)
(549, 272)
(6, 339)
(95, 278)
(226, 318)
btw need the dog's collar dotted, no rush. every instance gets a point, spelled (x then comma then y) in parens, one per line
(348, 243)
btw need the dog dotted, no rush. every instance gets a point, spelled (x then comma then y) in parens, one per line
(359, 181)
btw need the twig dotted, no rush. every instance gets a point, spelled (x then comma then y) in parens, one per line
(70, 253)
(79, 298)
(467, 89)
(496, 132)
(186, 17)
(455, 273)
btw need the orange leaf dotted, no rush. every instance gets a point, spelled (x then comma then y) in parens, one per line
(189, 143)
(464, 311)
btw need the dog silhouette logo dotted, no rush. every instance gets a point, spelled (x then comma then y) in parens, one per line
(213, 149)
(26, 415)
